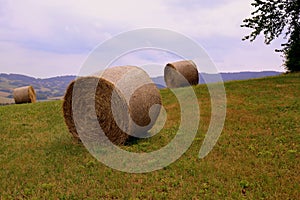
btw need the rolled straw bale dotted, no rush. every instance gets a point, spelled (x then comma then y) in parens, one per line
(181, 73)
(24, 94)
(122, 104)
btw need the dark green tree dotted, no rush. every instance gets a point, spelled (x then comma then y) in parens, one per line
(274, 18)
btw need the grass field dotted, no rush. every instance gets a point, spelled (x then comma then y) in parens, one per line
(256, 156)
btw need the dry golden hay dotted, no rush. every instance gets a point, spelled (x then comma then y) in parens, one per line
(124, 98)
(24, 94)
(181, 74)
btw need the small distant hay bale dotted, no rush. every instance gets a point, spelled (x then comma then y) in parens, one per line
(24, 94)
(116, 90)
(181, 74)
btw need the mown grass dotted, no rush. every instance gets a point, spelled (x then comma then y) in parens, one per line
(256, 157)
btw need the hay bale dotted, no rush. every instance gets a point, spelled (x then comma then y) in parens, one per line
(24, 94)
(181, 74)
(123, 98)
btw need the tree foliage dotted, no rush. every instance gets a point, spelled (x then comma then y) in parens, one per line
(273, 18)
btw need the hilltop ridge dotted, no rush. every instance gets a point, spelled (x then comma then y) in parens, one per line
(54, 87)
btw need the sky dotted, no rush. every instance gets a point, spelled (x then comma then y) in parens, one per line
(55, 37)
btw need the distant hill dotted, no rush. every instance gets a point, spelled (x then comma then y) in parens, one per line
(53, 88)
(212, 78)
(45, 88)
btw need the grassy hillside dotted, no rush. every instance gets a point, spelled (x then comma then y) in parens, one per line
(256, 156)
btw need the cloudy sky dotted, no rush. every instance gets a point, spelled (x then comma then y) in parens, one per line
(54, 37)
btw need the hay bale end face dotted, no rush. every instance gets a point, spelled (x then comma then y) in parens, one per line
(24, 94)
(181, 74)
(112, 90)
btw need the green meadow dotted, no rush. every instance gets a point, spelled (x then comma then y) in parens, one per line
(256, 156)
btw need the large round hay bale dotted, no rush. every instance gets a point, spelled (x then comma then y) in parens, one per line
(181, 74)
(122, 100)
(24, 94)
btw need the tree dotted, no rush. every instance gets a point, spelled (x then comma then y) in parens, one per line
(272, 18)
(292, 54)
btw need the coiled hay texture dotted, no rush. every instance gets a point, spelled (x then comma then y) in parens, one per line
(181, 74)
(24, 94)
(125, 102)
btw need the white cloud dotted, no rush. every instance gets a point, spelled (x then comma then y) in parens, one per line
(91, 19)
(15, 59)
(59, 34)
(152, 61)
(252, 57)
